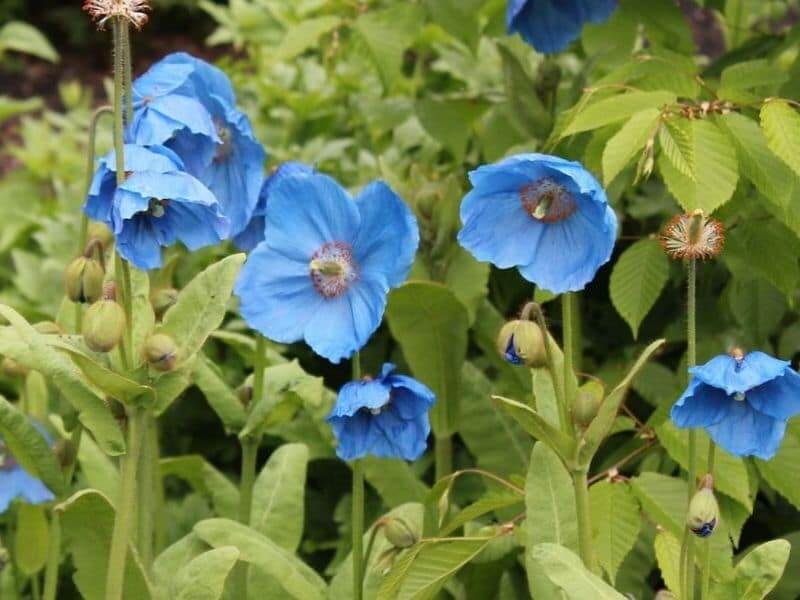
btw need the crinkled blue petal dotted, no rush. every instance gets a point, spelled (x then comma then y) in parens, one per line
(552, 25)
(357, 395)
(139, 242)
(355, 435)
(162, 78)
(388, 237)
(401, 438)
(598, 11)
(196, 225)
(778, 398)
(156, 121)
(726, 373)
(252, 235)
(701, 405)
(747, 432)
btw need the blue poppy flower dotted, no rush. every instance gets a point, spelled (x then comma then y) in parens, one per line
(385, 417)
(543, 214)
(189, 106)
(17, 483)
(742, 402)
(157, 205)
(253, 234)
(323, 272)
(552, 25)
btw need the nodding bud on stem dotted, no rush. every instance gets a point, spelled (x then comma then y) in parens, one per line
(104, 321)
(101, 233)
(160, 352)
(398, 533)
(83, 280)
(162, 299)
(703, 514)
(587, 404)
(521, 342)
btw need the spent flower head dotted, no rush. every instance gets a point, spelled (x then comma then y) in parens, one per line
(133, 11)
(692, 236)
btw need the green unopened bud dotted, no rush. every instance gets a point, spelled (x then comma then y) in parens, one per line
(65, 452)
(12, 368)
(703, 510)
(522, 342)
(398, 533)
(83, 280)
(101, 233)
(245, 395)
(47, 328)
(160, 352)
(162, 299)
(117, 410)
(104, 322)
(587, 404)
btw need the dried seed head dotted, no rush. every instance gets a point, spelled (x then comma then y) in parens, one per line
(693, 236)
(133, 11)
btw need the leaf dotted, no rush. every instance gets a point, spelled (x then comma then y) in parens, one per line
(203, 578)
(675, 141)
(781, 126)
(638, 278)
(394, 480)
(172, 560)
(22, 37)
(458, 18)
(716, 168)
(540, 429)
(220, 397)
(430, 325)
(29, 447)
(749, 75)
(201, 306)
(616, 108)
(434, 564)
(297, 579)
(304, 35)
(31, 539)
(550, 501)
(526, 108)
(279, 496)
(566, 571)
(757, 573)
(668, 550)
(11, 107)
(788, 587)
(782, 472)
(449, 121)
(627, 142)
(757, 306)
(204, 479)
(489, 502)
(88, 520)
(616, 524)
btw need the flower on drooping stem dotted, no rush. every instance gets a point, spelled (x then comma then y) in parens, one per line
(742, 401)
(547, 216)
(552, 25)
(693, 236)
(326, 266)
(385, 417)
(16, 482)
(132, 11)
(703, 515)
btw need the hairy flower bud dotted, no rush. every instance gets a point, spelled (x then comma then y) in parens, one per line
(83, 280)
(100, 232)
(703, 509)
(585, 408)
(65, 452)
(521, 341)
(12, 368)
(162, 299)
(160, 352)
(104, 325)
(398, 533)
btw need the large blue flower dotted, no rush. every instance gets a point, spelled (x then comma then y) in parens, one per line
(385, 417)
(157, 205)
(189, 106)
(552, 25)
(546, 215)
(253, 234)
(16, 482)
(743, 402)
(323, 272)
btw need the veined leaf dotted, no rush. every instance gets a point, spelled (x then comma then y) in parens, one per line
(781, 126)
(550, 501)
(675, 141)
(490, 502)
(668, 550)
(739, 78)
(782, 472)
(616, 521)
(304, 35)
(565, 570)
(627, 142)
(757, 573)
(204, 479)
(203, 578)
(616, 108)
(540, 429)
(31, 539)
(172, 560)
(638, 278)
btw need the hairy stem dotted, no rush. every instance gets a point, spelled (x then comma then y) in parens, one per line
(581, 486)
(705, 588)
(691, 355)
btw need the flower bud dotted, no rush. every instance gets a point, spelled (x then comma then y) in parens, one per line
(65, 452)
(160, 352)
(521, 342)
(585, 408)
(83, 280)
(47, 328)
(245, 395)
(100, 232)
(162, 299)
(703, 510)
(12, 368)
(398, 533)
(103, 325)
(117, 410)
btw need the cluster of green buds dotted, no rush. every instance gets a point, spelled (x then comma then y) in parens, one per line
(104, 321)
(522, 341)
(399, 535)
(161, 352)
(703, 514)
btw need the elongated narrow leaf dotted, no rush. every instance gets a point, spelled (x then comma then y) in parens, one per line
(394, 480)
(638, 278)
(615, 515)
(781, 125)
(550, 501)
(617, 108)
(490, 502)
(623, 147)
(172, 560)
(31, 539)
(565, 570)
(204, 479)
(220, 397)
(203, 578)
(535, 425)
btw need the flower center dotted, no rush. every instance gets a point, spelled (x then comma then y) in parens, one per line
(547, 201)
(225, 149)
(157, 207)
(332, 269)
(739, 396)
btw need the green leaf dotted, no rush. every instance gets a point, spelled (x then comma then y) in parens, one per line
(757, 573)
(88, 520)
(550, 501)
(458, 18)
(467, 278)
(782, 472)
(788, 587)
(22, 37)
(540, 429)
(668, 550)
(740, 77)
(430, 324)
(436, 563)
(11, 107)
(616, 524)
(716, 168)
(757, 306)
(172, 560)
(449, 121)
(205, 479)
(201, 306)
(563, 568)
(638, 278)
(203, 578)
(394, 480)
(526, 108)
(616, 108)
(29, 447)
(279, 496)
(31, 539)
(304, 35)
(624, 145)
(781, 126)
(488, 503)
(297, 579)
(675, 141)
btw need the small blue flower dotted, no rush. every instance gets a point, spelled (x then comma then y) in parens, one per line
(323, 272)
(16, 482)
(157, 205)
(743, 402)
(385, 417)
(253, 234)
(552, 25)
(543, 214)
(189, 106)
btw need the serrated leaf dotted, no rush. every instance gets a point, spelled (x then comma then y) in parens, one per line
(781, 126)
(203, 578)
(716, 168)
(668, 550)
(757, 573)
(638, 278)
(675, 141)
(563, 568)
(627, 142)
(616, 108)
(740, 77)
(616, 524)
(31, 539)
(435, 564)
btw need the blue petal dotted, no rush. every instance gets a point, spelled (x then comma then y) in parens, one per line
(779, 398)
(700, 406)
(388, 236)
(547, 25)
(206, 79)
(598, 11)
(354, 435)
(747, 432)
(357, 395)
(157, 159)
(252, 235)
(196, 225)
(400, 438)
(31, 489)
(138, 243)
(8, 489)
(726, 373)
(161, 79)
(410, 398)
(156, 121)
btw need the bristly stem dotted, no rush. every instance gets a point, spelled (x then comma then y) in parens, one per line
(691, 484)
(357, 510)
(568, 333)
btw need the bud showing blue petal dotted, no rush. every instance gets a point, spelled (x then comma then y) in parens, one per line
(703, 514)
(161, 352)
(522, 342)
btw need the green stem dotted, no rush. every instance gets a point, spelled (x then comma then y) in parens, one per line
(358, 530)
(691, 355)
(124, 518)
(35, 587)
(444, 456)
(705, 588)
(558, 382)
(127, 69)
(119, 84)
(580, 484)
(159, 514)
(146, 494)
(568, 333)
(127, 304)
(53, 558)
(371, 542)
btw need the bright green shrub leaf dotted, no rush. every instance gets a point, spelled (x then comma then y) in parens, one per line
(205, 479)
(740, 77)
(435, 563)
(279, 496)
(21, 37)
(565, 570)
(220, 397)
(616, 523)
(782, 472)
(616, 108)
(788, 587)
(11, 107)
(715, 165)
(623, 147)
(31, 539)
(675, 141)
(430, 324)
(781, 126)
(638, 278)
(668, 554)
(756, 574)
(304, 35)
(203, 578)
(459, 18)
